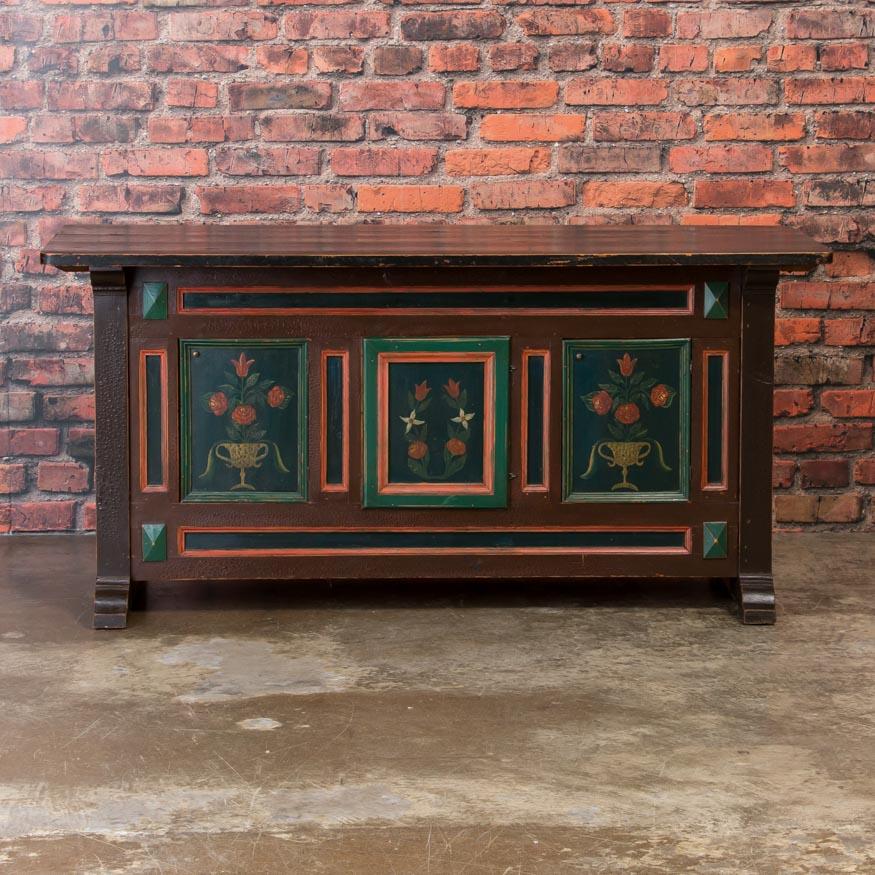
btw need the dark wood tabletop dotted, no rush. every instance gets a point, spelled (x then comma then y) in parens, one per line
(78, 247)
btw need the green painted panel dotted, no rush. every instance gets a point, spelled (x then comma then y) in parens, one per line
(154, 300)
(716, 300)
(243, 413)
(626, 420)
(715, 541)
(436, 428)
(154, 542)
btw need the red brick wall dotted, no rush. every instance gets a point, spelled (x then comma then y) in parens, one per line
(158, 110)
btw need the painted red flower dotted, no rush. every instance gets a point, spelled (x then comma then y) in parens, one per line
(660, 395)
(242, 365)
(602, 402)
(452, 388)
(243, 414)
(627, 413)
(421, 390)
(218, 403)
(627, 364)
(455, 447)
(417, 450)
(276, 396)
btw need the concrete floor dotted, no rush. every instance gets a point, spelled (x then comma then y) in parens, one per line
(371, 731)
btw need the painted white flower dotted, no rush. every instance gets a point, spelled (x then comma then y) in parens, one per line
(463, 418)
(411, 420)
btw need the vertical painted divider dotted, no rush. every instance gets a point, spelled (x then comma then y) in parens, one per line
(535, 420)
(334, 436)
(715, 436)
(153, 420)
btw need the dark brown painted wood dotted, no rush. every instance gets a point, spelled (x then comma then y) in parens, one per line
(81, 246)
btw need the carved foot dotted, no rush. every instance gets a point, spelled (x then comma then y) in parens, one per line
(754, 599)
(111, 597)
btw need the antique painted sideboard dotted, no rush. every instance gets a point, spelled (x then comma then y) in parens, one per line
(373, 401)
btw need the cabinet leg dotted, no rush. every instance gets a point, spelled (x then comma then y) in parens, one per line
(111, 598)
(754, 596)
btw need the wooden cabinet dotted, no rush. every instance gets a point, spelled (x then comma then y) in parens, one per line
(432, 402)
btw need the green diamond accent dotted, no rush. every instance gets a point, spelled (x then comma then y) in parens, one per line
(714, 540)
(716, 300)
(154, 542)
(154, 300)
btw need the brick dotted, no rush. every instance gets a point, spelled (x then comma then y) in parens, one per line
(523, 194)
(791, 58)
(155, 161)
(822, 296)
(200, 129)
(830, 89)
(452, 25)
(792, 402)
(579, 158)
(845, 125)
(410, 198)
(191, 93)
(229, 25)
(634, 193)
(103, 96)
(856, 331)
(822, 437)
(511, 127)
(837, 193)
(864, 471)
(397, 60)
(52, 371)
(53, 59)
(80, 443)
(374, 94)
(267, 161)
(850, 264)
(846, 22)
(17, 406)
(291, 95)
(338, 59)
(615, 92)
(783, 473)
(576, 56)
(42, 516)
(681, 58)
(736, 59)
(845, 56)
(44, 335)
(312, 127)
(29, 441)
(78, 407)
(17, 27)
(513, 56)
(819, 473)
(15, 94)
(62, 477)
(849, 403)
(336, 25)
(496, 162)
(233, 199)
(285, 60)
(795, 508)
(13, 233)
(14, 296)
(7, 58)
(754, 126)
(815, 369)
(89, 516)
(197, 59)
(722, 24)
(100, 27)
(83, 128)
(719, 159)
(845, 508)
(328, 198)
(13, 478)
(566, 22)
(631, 58)
(12, 128)
(115, 59)
(382, 161)
(641, 23)
(797, 330)
(648, 125)
(725, 193)
(454, 58)
(505, 95)
(843, 158)
(417, 126)
(66, 299)
(726, 92)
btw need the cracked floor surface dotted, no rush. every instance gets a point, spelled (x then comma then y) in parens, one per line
(464, 729)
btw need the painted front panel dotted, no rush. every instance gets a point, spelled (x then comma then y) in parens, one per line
(626, 428)
(243, 420)
(436, 422)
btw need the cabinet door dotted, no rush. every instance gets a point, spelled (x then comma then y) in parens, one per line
(627, 420)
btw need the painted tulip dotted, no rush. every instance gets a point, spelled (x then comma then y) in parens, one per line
(455, 447)
(421, 390)
(602, 403)
(218, 403)
(276, 396)
(417, 450)
(627, 413)
(243, 414)
(452, 388)
(242, 365)
(627, 364)
(660, 395)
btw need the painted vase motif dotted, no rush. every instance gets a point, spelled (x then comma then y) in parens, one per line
(240, 399)
(623, 398)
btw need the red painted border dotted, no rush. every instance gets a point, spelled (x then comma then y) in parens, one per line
(524, 422)
(384, 487)
(141, 406)
(324, 485)
(688, 310)
(419, 551)
(723, 484)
